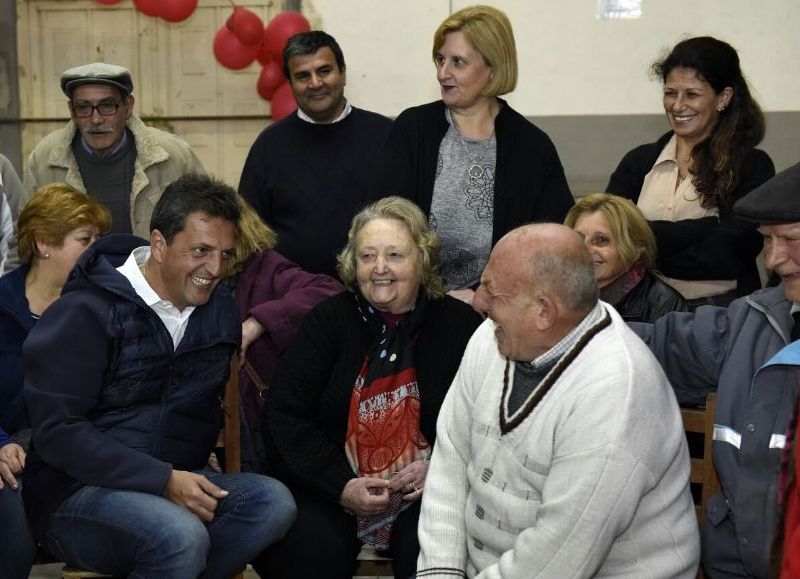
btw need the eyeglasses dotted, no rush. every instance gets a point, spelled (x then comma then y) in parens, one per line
(106, 109)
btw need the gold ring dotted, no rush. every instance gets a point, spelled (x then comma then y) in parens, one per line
(414, 487)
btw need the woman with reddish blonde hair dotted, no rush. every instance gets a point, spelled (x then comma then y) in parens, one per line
(54, 228)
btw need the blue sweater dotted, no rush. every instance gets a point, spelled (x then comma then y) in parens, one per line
(15, 323)
(112, 403)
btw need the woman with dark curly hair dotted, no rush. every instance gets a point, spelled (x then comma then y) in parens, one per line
(687, 181)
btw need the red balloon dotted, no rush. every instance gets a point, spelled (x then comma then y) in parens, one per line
(270, 79)
(283, 103)
(265, 57)
(231, 53)
(246, 25)
(148, 7)
(282, 28)
(108, 2)
(177, 10)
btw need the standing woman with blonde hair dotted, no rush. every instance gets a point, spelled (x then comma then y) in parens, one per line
(54, 228)
(475, 166)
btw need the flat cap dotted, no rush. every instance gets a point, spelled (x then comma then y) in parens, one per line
(775, 201)
(97, 73)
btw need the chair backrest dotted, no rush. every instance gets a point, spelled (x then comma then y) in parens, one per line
(232, 428)
(232, 425)
(699, 426)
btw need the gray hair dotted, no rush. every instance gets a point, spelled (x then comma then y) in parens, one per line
(558, 262)
(567, 274)
(426, 242)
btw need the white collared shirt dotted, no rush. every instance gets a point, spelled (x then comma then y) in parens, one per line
(348, 108)
(568, 342)
(174, 320)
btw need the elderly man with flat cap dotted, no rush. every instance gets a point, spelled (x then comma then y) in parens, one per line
(107, 151)
(748, 354)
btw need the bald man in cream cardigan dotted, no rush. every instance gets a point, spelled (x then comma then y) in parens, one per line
(560, 450)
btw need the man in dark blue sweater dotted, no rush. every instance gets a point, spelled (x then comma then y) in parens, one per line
(308, 174)
(123, 379)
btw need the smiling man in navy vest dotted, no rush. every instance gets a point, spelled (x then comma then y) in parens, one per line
(123, 379)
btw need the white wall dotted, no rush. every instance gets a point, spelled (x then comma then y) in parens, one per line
(571, 63)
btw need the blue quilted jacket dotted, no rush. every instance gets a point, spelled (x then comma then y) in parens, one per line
(111, 402)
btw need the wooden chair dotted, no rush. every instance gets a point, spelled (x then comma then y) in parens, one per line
(373, 565)
(700, 422)
(230, 439)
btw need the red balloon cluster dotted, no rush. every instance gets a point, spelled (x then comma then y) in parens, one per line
(236, 44)
(244, 39)
(280, 29)
(282, 103)
(169, 10)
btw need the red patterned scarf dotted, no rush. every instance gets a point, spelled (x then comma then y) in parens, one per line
(383, 433)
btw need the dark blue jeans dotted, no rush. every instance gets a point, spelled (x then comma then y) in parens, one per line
(17, 546)
(140, 535)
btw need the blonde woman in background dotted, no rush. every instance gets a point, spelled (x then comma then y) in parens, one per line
(623, 250)
(273, 295)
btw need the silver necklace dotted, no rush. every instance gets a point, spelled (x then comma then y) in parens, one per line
(475, 170)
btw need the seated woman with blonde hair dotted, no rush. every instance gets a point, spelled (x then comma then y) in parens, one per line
(55, 227)
(273, 295)
(351, 416)
(623, 248)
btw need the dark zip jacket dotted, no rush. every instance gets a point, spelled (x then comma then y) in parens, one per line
(15, 323)
(733, 351)
(112, 403)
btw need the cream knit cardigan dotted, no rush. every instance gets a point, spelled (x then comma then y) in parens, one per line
(592, 481)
